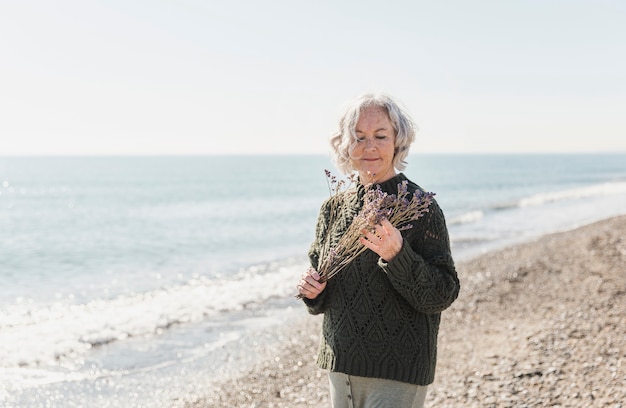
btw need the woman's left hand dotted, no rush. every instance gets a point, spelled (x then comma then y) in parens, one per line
(385, 240)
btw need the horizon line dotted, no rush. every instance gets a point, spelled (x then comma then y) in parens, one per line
(77, 155)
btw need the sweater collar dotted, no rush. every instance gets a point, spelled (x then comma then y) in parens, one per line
(390, 186)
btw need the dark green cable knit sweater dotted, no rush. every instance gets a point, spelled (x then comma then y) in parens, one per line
(381, 319)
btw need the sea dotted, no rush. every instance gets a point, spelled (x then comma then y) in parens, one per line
(138, 281)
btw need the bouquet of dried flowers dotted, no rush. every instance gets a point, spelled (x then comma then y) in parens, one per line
(399, 209)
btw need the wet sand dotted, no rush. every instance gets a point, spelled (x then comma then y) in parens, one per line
(538, 324)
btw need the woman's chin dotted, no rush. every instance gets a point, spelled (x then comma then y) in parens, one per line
(374, 174)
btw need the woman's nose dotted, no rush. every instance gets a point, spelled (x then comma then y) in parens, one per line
(370, 143)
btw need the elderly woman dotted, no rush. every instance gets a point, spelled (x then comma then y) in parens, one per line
(382, 311)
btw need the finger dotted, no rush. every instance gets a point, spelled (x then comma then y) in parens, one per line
(386, 227)
(386, 223)
(308, 272)
(309, 291)
(303, 286)
(378, 232)
(368, 243)
(369, 235)
(306, 293)
(312, 282)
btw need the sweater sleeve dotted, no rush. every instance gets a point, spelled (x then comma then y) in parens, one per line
(423, 272)
(318, 305)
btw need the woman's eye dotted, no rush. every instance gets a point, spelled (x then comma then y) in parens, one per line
(381, 137)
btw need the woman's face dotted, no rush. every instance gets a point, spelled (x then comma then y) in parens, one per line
(375, 147)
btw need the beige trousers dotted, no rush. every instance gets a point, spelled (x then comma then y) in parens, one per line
(349, 391)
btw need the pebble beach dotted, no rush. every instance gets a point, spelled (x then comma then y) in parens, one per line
(542, 323)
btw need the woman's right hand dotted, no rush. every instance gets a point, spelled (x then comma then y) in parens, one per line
(310, 286)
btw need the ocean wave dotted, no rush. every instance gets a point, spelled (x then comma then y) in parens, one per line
(596, 190)
(466, 218)
(39, 336)
(604, 189)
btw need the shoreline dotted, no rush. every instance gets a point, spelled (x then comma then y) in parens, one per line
(539, 323)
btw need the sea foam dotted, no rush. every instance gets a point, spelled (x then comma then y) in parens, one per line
(49, 336)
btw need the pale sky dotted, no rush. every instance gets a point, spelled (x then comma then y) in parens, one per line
(272, 76)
